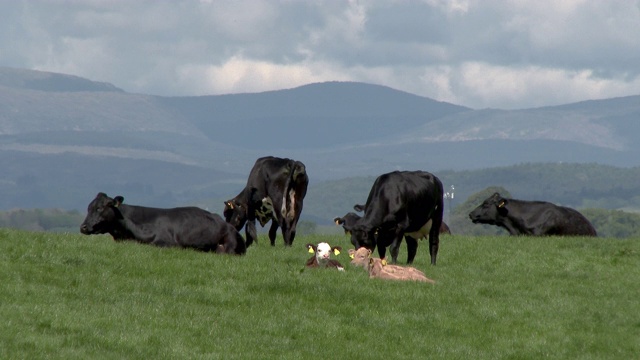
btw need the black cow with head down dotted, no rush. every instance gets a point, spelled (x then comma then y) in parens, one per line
(275, 191)
(401, 203)
(187, 227)
(537, 218)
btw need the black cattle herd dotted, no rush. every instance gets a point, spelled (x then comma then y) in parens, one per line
(401, 205)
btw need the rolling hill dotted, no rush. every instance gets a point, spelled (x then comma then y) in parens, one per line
(64, 138)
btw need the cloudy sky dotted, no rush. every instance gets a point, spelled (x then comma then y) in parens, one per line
(477, 53)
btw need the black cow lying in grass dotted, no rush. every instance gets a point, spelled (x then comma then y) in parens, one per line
(536, 218)
(187, 227)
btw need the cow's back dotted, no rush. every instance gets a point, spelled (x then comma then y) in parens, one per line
(414, 193)
(574, 223)
(190, 227)
(540, 218)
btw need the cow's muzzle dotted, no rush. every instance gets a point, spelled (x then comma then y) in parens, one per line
(85, 229)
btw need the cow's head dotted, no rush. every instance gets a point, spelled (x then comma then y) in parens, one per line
(235, 213)
(360, 257)
(492, 209)
(102, 215)
(246, 206)
(363, 236)
(323, 252)
(348, 221)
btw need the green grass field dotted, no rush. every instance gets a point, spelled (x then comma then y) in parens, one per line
(68, 296)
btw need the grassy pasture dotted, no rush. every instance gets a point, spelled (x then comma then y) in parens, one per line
(69, 296)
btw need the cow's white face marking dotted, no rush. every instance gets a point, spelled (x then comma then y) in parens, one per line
(323, 252)
(265, 212)
(422, 233)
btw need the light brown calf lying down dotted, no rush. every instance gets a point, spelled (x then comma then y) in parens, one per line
(378, 268)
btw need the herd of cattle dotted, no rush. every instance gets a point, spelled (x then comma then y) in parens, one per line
(401, 205)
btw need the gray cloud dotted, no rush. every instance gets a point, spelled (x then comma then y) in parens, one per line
(475, 53)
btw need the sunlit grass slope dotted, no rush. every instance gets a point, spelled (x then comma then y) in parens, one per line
(65, 296)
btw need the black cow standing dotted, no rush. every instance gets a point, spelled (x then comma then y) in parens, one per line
(187, 227)
(536, 218)
(401, 203)
(275, 191)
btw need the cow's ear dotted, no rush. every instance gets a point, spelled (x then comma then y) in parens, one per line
(229, 204)
(338, 221)
(336, 250)
(352, 253)
(118, 200)
(312, 248)
(383, 261)
(502, 202)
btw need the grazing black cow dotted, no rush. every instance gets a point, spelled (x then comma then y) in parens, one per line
(350, 219)
(537, 218)
(401, 203)
(275, 191)
(187, 227)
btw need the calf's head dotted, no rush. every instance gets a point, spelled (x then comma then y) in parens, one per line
(102, 214)
(323, 252)
(491, 210)
(360, 257)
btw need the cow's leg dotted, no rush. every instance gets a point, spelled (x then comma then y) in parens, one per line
(287, 232)
(394, 249)
(412, 249)
(291, 232)
(382, 251)
(273, 232)
(434, 233)
(292, 223)
(250, 232)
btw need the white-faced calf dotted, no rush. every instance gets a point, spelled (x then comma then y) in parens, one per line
(322, 256)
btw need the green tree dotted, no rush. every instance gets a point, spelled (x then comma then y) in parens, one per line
(613, 223)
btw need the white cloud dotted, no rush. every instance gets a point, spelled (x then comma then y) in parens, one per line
(478, 53)
(244, 75)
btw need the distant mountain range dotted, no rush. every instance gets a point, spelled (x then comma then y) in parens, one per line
(64, 138)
